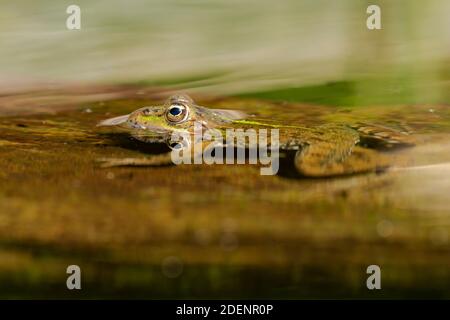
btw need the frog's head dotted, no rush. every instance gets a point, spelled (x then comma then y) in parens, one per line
(178, 113)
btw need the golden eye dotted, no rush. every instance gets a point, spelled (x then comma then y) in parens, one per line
(177, 113)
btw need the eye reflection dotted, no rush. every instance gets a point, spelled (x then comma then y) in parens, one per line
(175, 146)
(178, 145)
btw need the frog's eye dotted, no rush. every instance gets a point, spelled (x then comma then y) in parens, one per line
(177, 113)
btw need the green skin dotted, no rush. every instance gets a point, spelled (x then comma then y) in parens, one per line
(321, 151)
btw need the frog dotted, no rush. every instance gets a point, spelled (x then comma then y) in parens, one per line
(324, 150)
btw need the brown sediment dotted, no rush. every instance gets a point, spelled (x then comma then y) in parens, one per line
(235, 231)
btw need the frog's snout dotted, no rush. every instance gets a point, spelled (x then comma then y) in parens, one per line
(113, 121)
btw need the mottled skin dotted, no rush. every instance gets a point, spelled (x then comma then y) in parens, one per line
(321, 151)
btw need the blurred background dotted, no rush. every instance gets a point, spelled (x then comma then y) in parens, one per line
(234, 47)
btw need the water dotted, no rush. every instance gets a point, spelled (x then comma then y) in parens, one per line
(232, 232)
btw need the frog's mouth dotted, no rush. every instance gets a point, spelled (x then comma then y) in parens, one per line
(148, 127)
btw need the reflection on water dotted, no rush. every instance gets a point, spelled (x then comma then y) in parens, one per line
(229, 46)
